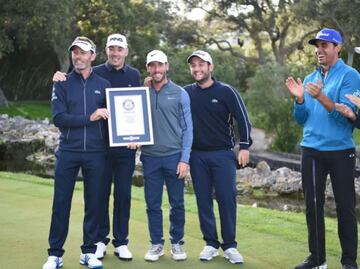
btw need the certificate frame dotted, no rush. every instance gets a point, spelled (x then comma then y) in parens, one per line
(130, 116)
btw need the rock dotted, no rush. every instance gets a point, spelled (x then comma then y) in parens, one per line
(36, 141)
(263, 168)
(21, 137)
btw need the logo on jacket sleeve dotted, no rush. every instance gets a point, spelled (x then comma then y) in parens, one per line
(53, 94)
(97, 92)
(356, 93)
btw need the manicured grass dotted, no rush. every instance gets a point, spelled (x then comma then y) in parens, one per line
(267, 239)
(28, 109)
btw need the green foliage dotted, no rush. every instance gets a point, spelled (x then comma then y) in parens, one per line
(340, 15)
(271, 106)
(34, 41)
(28, 109)
(263, 26)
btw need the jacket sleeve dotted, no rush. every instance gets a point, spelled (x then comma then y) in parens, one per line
(60, 115)
(351, 83)
(242, 118)
(186, 126)
(301, 112)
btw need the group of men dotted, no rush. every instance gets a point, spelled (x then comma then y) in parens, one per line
(193, 128)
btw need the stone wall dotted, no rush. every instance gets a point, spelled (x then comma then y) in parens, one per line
(36, 141)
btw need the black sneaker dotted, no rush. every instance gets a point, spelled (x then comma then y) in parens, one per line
(349, 266)
(311, 264)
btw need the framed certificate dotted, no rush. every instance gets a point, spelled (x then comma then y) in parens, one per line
(130, 116)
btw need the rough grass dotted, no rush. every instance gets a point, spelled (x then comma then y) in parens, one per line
(267, 239)
(28, 109)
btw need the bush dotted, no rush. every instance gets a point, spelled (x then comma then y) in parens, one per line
(271, 106)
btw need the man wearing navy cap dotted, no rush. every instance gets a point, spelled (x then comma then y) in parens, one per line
(327, 148)
(120, 162)
(78, 110)
(215, 106)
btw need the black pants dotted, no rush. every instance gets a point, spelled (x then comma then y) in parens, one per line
(316, 166)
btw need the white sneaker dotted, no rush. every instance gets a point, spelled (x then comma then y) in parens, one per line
(123, 253)
(154, 253)
(208, 253)
(53, 262)
(177, 252)
(100, 250)
(233, 255)
(90, 260)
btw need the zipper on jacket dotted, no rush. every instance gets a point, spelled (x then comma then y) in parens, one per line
(84, 95)
(156, 100)
(68, 133)
(100, 130)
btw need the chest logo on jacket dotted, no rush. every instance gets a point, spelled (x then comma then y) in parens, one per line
(214, 101)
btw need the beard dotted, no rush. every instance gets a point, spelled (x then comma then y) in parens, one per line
(157, 78)
(202, 79)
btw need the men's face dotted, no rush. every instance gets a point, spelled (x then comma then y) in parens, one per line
(200, 70)
(326, 52)
(81, 59)
(157, 71)
(116, 56)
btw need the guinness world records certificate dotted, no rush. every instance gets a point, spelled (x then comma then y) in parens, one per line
(130, 116)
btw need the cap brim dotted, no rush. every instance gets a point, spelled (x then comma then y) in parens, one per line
(109, 44)
(357, 50)
(313, 41)
(189, 58)
(81, 46)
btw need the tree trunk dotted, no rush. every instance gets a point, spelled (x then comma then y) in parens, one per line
(350, 58)
(63, 58)
(3, 100)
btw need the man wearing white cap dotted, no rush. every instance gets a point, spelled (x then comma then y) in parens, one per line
(78, 110)
(167, 161)
(214, 106)
(120, 163)
(328, 147)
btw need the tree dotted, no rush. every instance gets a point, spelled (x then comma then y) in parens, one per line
(341, 15)
(49, 26)
(268, 24)
(19, 22)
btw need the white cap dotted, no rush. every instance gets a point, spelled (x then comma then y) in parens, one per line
(117, 40)
(202, 55)
(357, 50)
(156, 56)
(83, 43)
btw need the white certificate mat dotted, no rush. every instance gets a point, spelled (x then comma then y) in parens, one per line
(129, 115)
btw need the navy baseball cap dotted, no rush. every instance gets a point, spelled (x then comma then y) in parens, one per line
(329, 35)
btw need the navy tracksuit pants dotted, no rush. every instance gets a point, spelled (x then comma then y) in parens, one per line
(157, 171)
(67, 168)
(315, 167)
(119, 167)
(215, 171)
